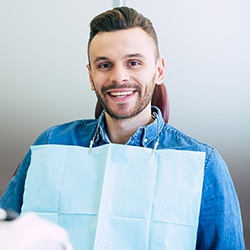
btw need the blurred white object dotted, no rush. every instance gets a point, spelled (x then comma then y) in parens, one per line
(7, 215)
(31, 232)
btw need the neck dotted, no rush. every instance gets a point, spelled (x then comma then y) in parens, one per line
(119, 131)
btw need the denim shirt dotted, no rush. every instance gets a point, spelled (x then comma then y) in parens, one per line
(220, 224)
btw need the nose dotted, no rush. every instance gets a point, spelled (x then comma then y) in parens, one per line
(119, 74)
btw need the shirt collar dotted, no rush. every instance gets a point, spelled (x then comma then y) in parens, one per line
(142, 137)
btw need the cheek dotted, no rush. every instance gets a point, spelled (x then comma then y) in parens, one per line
(99, 78)
(146, 79)
(96, 80)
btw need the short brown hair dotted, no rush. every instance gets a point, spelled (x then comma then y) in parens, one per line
(122, 18)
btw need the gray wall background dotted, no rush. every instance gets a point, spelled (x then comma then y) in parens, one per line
(43, 78)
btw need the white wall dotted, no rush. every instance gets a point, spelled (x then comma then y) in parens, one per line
(207, 52)
(43, 79)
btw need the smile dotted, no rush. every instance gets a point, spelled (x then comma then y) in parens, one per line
(121, 94)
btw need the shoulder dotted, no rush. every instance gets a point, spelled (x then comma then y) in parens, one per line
(177, 139)
(173, 138)
(70, 133)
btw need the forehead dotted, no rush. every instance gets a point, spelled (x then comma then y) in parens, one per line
(129, 41)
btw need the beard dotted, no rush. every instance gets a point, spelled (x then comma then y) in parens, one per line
(144, 98)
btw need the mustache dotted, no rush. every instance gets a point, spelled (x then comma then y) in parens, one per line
(120, 86)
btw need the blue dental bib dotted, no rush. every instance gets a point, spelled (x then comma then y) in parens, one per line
(117, 197)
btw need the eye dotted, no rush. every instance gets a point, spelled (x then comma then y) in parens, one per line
(104, 66)
(134, 63)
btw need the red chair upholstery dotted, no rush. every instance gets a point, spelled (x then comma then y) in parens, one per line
(159, 99)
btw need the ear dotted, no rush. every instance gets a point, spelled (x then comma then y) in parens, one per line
(90, 77)
(160, 71)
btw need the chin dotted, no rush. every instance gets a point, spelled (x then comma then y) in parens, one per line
(122, 114)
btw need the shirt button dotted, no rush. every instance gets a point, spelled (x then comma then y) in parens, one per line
(145, 140)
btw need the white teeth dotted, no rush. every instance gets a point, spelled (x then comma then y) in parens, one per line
(121, 93)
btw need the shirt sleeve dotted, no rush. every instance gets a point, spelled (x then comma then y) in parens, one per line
(12, 197)
(220, 223)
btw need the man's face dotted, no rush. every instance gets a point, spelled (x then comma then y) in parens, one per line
(123, 71)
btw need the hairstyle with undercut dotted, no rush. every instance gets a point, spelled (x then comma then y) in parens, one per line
(121, 18)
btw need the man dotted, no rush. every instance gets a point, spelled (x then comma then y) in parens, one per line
(124, 67)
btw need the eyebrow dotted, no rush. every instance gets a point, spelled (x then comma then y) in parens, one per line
(133, 55)
(104, 58)
(101, 58)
